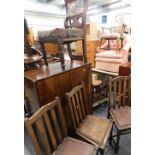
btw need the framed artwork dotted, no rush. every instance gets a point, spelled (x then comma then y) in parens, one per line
(104, 19)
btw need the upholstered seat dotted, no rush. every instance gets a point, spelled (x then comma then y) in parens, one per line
(56, 34)
(122, 117)
(110, 59)
(96, 129)
(69, 147)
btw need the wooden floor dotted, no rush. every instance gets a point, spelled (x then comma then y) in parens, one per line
(101, 110)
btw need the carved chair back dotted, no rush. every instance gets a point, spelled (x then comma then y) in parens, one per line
(119, 91)
(77, 104)
(47, 128)
(75, 13)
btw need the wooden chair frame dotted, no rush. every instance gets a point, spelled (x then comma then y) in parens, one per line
(75, 21)
(48, 132)
(77, 104)
(41, 119)
(119, 95)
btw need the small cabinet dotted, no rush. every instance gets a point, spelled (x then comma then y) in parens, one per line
(42, 85)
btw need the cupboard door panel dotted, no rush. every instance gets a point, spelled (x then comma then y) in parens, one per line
(49, 88)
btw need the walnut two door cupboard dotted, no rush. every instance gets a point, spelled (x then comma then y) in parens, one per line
(43, 84)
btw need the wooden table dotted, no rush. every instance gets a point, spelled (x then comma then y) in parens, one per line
(43, 84)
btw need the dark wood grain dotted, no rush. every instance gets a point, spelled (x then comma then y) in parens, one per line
(43, 84)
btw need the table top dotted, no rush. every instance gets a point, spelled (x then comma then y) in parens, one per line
(51, 70)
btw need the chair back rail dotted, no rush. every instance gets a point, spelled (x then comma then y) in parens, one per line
(77, 104)
(47, 128)
(119, 91)
(75, 13)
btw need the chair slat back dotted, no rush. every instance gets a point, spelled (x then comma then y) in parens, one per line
(75, 13)
(77, 104)
(47, 128)
(119, 91)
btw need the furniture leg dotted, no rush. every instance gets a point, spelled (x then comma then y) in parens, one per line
(84, 50)
(61, 53)
(101, 152)
(110, 138)
(117, 141)
(69, 51)
(44, 54)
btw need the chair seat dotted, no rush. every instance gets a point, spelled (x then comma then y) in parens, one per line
(95, 129)
(122, 117)
(72, 146)
(60, 33)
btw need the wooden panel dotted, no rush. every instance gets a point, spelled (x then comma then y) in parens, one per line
(91, 50)
(51, 87)
(51, 48)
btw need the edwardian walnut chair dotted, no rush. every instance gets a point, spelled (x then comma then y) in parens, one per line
(48, 132)
(93, 129)
(74, 30)
(119, 107)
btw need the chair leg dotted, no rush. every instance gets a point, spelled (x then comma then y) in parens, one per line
(108, 115)
(101, 152)
(110, 138)
(61, 53)
(69, 51)
(84, 50)
(117, 141)
(44, 54)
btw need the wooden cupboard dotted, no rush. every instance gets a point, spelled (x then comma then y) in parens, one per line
(43, 84)
(91, 50)
(92, 42)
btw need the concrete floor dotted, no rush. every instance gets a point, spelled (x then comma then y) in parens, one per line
(101, 110)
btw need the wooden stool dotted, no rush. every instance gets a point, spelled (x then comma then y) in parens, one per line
(98, 92)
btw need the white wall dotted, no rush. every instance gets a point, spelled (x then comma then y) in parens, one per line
(111, 21)
(43, 22)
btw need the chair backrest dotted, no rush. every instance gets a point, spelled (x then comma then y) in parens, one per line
(119, 91)
(75, 13)
(77, 104)
(47, 128)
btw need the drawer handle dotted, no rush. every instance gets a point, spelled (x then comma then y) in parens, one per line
(84, 70)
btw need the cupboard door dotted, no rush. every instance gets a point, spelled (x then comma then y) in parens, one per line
(83, 74)
(54, 86)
